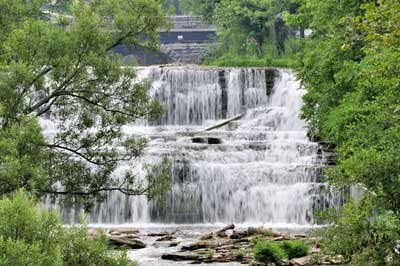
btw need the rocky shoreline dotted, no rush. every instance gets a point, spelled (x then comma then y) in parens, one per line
(224, 245)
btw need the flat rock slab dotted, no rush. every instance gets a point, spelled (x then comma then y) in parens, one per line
(130, 243)
(123, 231)
(159, 234)
(208, 244)
(165, 238)
(303, 261)
(180, 257)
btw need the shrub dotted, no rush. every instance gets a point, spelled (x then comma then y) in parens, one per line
(295, 248)
(267, 252)
(20, 253)
(29, 237)
(79, 249)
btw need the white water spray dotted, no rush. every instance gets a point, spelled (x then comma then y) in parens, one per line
(263, 168)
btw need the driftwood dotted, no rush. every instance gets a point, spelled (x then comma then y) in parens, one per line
(224, 123)
(228, 227)
(220, 232)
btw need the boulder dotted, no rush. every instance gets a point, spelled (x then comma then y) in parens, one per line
(207, 236)
(234, 235)
(222, 234)
(124, 241)
(303, 261)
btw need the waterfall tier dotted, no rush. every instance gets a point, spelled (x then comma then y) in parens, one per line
(261, 168)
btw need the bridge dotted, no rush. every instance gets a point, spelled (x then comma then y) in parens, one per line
(188, 29)
(187, 42)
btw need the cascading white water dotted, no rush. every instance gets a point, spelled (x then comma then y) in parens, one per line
(262, 167)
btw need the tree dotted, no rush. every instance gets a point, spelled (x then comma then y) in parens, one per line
(248, 28)
(62, 68)
(350, 70)
(203, 8)
(251, 20)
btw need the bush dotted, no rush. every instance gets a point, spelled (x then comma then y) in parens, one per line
(29, 237)
(79, 249)
(295, 248)
(267, 252)
(20, 253)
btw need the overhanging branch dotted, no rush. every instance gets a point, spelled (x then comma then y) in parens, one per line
(125, 191)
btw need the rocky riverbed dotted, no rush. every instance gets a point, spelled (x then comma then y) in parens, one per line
(223, 245)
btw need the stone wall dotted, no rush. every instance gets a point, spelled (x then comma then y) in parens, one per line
(187, 53)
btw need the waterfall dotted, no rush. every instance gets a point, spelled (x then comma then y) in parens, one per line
(262, 167)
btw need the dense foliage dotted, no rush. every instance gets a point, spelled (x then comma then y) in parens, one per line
(203, 8)
(350, 68)
(251, 32)
(60, 67)
(29, 237)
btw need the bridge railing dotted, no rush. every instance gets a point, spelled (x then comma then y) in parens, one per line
(190, 22)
